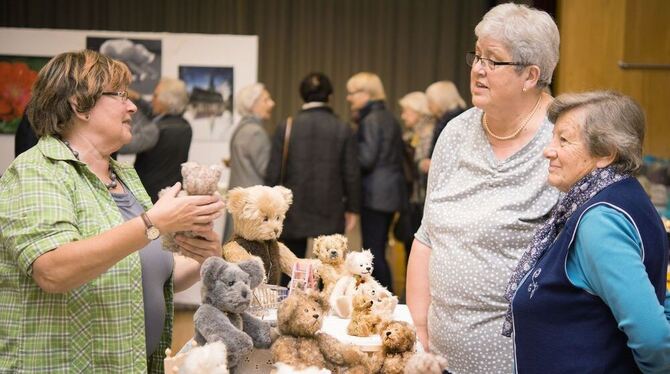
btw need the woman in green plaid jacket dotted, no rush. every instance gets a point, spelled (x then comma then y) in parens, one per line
(84, 285)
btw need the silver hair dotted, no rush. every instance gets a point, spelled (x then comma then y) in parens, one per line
(530, 35)
(246, 98)
(416, 101)
(613, 125)
(173, 95)
(445, 96)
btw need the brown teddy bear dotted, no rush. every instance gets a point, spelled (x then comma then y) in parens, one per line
(299, 319)
(196, 180)
(258, 216)
(363, 321)
(331, 250)
(426, 363)
(398, 338)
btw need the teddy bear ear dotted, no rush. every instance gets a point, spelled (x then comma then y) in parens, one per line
(210, 268)
(286, 194)
(321, 300)
(255, 269)
(235, 200)
(344, 241)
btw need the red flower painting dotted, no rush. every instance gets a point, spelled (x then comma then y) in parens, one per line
(16, 80)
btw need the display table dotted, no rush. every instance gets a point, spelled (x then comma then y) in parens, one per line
(260, 360)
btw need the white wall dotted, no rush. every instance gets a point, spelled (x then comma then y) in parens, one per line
(238, 51)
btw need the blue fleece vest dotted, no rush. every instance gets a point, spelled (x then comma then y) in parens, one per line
(559, 328)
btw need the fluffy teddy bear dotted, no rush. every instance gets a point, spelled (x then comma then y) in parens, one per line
(226, 295)
(208, 359)
(398, 338)
(359, 278)
(363, 321)
(301, 345)
(258, 215)
(426, 363)
(331, 250)
(196, 180)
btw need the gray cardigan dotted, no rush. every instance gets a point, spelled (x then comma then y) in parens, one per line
(249, 153)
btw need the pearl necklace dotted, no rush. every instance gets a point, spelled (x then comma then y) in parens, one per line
(112, 176)
(517, 131)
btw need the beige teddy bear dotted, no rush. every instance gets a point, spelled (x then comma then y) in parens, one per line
(197, 180)
(301, 345)
(331, 250)
(258, 216)
(363, 321)
(398, 338)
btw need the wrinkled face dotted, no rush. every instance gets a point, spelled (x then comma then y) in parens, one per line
(568, 154)
(492, 88)
(231, 291)
(359, 262)
(263, 106)
(111, 119)
(396, 337)
(410, 116)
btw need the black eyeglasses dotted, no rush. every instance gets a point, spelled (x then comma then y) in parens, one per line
(122, 94)
(471, 58)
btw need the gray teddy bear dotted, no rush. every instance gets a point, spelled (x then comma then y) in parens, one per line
(226, 295)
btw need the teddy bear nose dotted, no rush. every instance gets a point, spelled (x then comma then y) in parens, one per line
(276, 231)
(368, 268)
(388, 333)
(244, 293)
(316, 316)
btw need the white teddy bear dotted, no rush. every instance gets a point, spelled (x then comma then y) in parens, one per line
(359, 278)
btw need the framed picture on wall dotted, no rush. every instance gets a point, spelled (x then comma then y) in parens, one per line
(143, 57)
(210, 110)
(17, 75)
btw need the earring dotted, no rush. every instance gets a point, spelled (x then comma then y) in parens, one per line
(88, 116)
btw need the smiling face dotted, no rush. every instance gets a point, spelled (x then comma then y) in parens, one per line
(568, 153)
(493, 88)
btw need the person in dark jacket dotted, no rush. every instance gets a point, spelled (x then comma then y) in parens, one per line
(321, 168)
(160, 166)
(380, 149)
(445, 103)
(25, 137)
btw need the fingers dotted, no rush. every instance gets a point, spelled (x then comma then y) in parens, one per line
(200, 249)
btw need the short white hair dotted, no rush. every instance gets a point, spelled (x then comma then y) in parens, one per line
(246, 98)
(530, 35)
(416, 101)
(173, 95)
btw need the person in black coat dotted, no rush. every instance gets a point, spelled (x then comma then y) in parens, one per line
(25, 137)
(380, 153)
(321, 168)
(160, 166)
(445, 103)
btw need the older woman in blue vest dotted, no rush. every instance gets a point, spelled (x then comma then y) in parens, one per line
(589, 295)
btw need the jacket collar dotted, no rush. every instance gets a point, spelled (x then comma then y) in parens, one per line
(369, 107)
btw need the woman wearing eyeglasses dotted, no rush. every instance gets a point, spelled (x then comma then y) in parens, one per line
(84, 283)
(487, 193)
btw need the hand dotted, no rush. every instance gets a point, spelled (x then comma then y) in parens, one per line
(185, 213)
(424, 165)
(200, 248)
(350, 220)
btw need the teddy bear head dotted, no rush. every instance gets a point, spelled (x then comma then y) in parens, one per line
(397, 336)
(330, 249)
(258, 211)
(359, 263)
(199, 179)
(362, 302)
(302, 313)
(228, 286)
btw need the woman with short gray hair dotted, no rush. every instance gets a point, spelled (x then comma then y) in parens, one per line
(487, 193)
(589, 293)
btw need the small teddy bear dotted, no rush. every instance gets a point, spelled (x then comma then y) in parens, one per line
(426, 363)
(226, 295)
(398, 338)
(331, 250)
(258, 215)
(359, 279)
(363, 321)
(301, 345)
(196, 180)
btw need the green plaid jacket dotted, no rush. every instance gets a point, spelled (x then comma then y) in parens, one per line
(47, 199)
